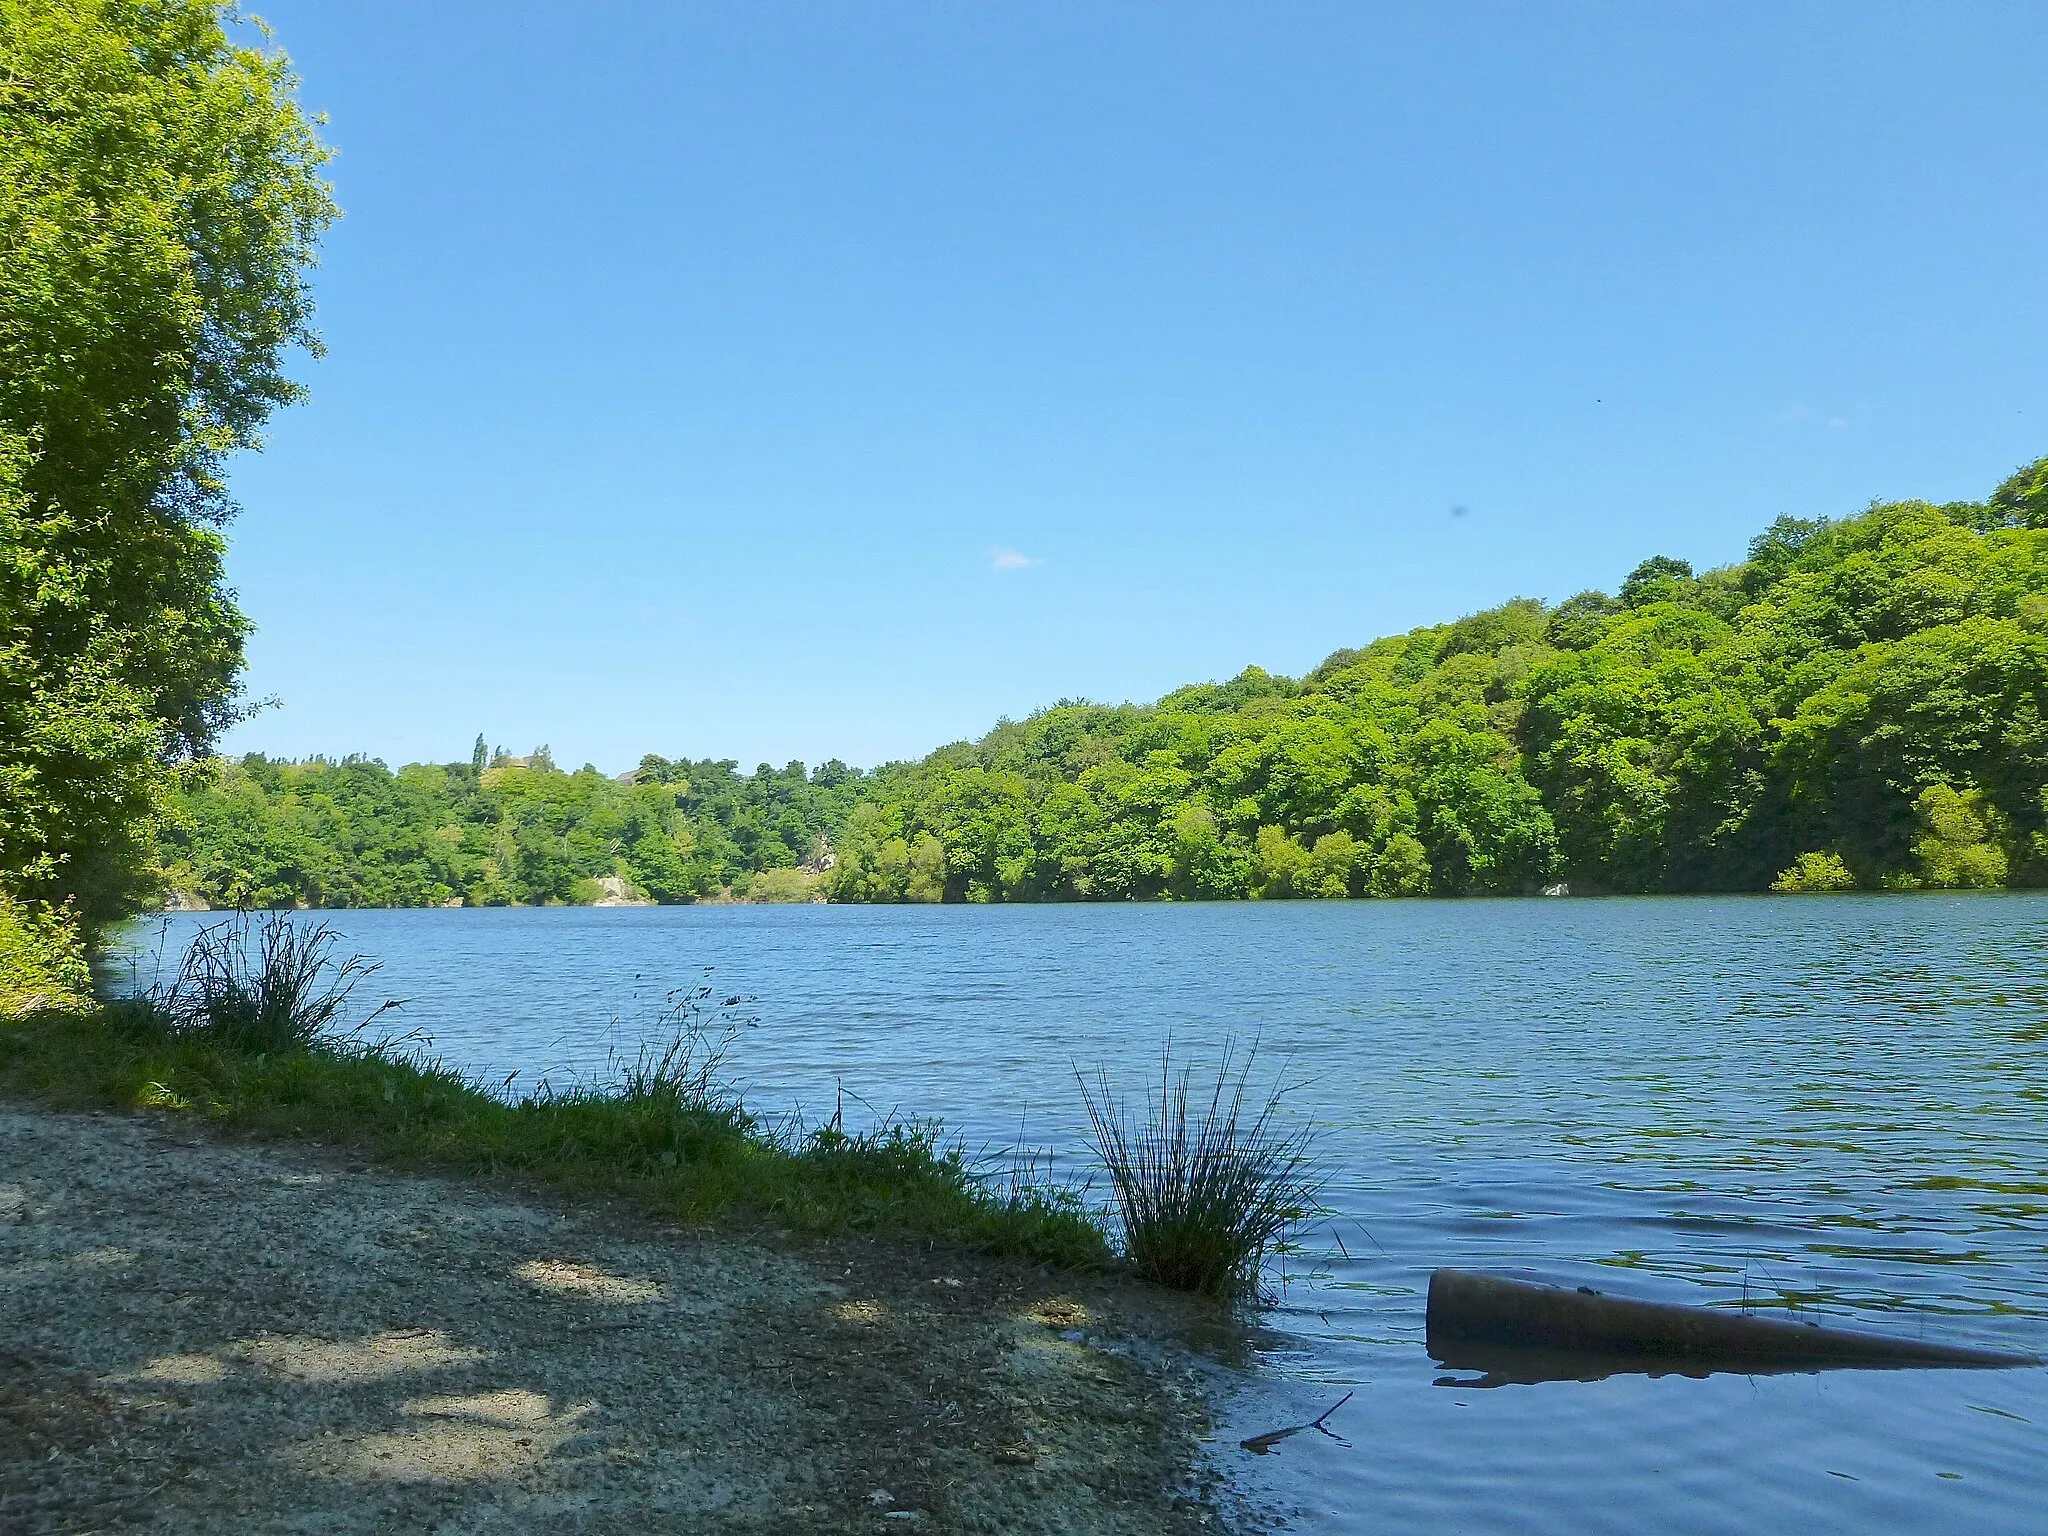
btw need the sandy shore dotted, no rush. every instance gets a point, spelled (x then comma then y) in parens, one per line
(205, 1336)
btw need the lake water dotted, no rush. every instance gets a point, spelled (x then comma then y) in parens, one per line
(1840, 1101)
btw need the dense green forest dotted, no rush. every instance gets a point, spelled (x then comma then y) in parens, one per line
(1863, 703)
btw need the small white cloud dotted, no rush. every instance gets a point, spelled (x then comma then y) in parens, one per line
(1001, 559)
(1838, 421)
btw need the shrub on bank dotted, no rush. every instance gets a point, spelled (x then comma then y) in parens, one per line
(1813, 873)
(42, 959)
(269, 987)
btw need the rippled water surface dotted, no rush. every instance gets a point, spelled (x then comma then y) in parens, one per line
(1839, 1102)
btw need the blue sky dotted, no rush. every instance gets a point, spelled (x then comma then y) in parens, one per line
(769, 381)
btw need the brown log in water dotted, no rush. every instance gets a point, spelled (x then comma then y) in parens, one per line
(1467, 1309)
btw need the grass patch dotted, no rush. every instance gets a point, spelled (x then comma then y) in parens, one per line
(649, 1146)
(1203, 1190)
(245, 1041)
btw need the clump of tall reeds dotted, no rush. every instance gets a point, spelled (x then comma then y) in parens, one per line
(270, 986)
(1204, 1189)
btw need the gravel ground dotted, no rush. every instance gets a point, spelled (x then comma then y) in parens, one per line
(203, 1336)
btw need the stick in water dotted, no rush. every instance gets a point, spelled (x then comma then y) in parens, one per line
(1258, 1445)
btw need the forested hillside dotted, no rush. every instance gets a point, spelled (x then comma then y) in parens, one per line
(1861, 703)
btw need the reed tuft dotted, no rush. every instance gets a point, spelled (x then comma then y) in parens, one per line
(1204, 1189)
(276, 986)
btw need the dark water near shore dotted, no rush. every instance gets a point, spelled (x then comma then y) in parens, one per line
(1839, 1101)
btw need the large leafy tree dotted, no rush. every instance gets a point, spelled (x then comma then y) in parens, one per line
(160, 197)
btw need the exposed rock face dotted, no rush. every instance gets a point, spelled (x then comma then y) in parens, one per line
(617, 893)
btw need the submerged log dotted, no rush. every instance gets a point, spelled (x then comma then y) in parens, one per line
(1467, 1310)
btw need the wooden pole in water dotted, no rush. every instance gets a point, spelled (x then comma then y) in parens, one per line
(1480, 1309)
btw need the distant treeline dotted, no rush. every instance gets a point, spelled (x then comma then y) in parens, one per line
(1862, 703)
(497, 831)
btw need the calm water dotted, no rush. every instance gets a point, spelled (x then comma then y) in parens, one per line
(1838, 1100)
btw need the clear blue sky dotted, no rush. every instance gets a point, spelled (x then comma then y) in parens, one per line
(769, 381)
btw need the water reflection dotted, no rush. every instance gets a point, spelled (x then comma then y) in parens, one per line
(1507, 1365)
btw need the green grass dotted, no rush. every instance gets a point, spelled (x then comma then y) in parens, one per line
(660, 1139)
(247, 1037)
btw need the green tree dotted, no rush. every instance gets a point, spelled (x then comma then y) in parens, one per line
(927, 876)
(2022, 501)
(1205, 866)
(1955, 703)
(160, 198)
(1402, 868)
(1659, 579)
(1280, 865)
(871, 862)
(1332, 867)
(1709, 732)
(1958, 846)
(1579, 621)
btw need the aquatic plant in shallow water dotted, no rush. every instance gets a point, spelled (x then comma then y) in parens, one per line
(1203, 1189)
